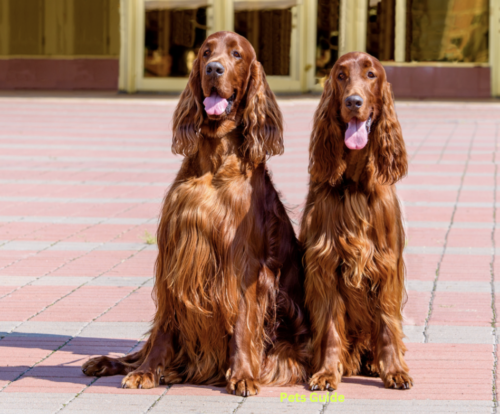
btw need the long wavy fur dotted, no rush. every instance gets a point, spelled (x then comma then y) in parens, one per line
(353, 236)
(229, 281)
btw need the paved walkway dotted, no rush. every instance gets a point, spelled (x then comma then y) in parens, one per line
(81, 181)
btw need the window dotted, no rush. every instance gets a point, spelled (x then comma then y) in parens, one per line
(269, 32)
(380, 30)
(173, 37)
(26, 27)
(327, 37)
(91, 27)
(447, 30)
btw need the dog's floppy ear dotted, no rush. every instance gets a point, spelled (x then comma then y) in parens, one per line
(262, 118)
(388, 146)
(326, 149)
(188, 115)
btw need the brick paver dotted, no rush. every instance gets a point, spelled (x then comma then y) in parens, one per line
(81, 184)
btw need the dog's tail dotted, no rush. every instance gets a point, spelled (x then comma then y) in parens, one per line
(287, 359)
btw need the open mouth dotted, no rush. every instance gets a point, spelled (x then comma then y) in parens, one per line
(217, 105)
(356, 134)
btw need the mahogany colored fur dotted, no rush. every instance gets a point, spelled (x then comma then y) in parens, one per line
(229, 284)
(352, 232)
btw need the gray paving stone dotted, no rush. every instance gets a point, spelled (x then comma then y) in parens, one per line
(483, 287)
(7, 326)
(26, 245)
(258, 405)
(409, 406)
(43, 158)
(122, 246)
(419, 285)
(49, 328)
(118, 330)
(196, 404)
(115, 148)
(105, 403)
(426, 187)
(440, 174)
(472, 225)
(32, 403)
(158, 169)
(423, 250)
(75, 220)
(61, 281)
(204, 398)
(414, 333)
(134, 221)
(446, 204)
(427, 224)
(74, 246)
(118, 281)
(89, 183)
(477, 251)
(15, 280)
(459, 334)
(103, 200)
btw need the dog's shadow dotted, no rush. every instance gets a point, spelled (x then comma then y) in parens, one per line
(80, 348)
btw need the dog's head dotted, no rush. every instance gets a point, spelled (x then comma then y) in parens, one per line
(356, 113)
(228, 88)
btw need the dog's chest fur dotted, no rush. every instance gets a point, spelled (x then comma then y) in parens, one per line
(368, 240)
(207, 228)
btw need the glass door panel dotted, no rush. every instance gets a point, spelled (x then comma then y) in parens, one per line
(381, 29)
(327, 37)
(269, 31)
(447, 31)
(173, 34)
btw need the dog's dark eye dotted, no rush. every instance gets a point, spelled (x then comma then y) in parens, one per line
(206, 52)
(371, 74)
(341, 76)
(236, 54)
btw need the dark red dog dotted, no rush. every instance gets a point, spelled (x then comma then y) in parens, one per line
(229, 284)
(352, 228)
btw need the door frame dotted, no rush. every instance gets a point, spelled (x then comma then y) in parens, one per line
(220, 16)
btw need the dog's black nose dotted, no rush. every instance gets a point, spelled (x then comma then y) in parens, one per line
(354, 102)
(215, 69)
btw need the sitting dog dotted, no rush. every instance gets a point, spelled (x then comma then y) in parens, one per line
(229, 283)
(352, 229)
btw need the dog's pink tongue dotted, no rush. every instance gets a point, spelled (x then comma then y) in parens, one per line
(356, 136)
(214, 104)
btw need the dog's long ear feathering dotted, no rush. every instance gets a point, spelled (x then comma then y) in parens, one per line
(262, 118)
(188, 115)
(389, 153)
(326, 150)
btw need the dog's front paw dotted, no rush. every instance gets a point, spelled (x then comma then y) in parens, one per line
(241, 386)
(399, 380)
(139, 379)
(324, 381)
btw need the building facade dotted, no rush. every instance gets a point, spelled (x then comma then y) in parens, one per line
(430, 48)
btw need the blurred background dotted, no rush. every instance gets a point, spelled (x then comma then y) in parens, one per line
(430, 48)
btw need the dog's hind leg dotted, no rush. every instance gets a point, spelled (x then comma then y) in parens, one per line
(106, 366)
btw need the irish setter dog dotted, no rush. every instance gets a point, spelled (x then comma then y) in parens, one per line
(229, 280)
(352, 229)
